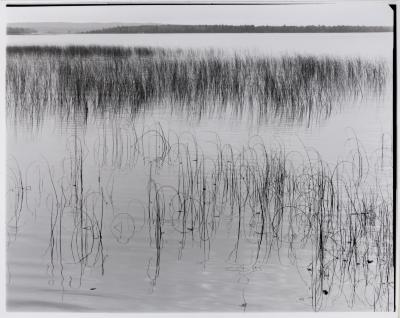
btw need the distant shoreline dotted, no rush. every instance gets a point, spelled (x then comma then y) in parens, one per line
(195, 29)
(171, 33)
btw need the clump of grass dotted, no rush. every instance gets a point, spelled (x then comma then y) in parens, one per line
(148, 51)
(71, 51)
(76, 220)
(337, 212)
(95, 81)
(269, 200)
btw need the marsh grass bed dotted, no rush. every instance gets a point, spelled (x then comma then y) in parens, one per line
(110, 205)
(112, 80)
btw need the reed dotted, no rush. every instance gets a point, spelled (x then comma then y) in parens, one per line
(341, 214)
(278, 202)
(337, 212)
(95, 81)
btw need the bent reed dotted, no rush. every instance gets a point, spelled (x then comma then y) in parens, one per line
(334, 222)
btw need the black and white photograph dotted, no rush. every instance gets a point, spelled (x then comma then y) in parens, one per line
(188, 157)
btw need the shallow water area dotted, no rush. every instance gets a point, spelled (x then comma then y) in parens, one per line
(336, 44)
(171, 206)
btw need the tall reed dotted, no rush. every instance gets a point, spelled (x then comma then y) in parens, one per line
(95, 81)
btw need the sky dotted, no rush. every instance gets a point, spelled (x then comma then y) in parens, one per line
(360, 13)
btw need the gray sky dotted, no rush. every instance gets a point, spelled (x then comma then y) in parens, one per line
(324, 14)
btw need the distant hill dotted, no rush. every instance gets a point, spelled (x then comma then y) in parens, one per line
(177, 28)
(66, 27)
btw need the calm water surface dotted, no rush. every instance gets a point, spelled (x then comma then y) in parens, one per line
(343, 44)
(125, 271)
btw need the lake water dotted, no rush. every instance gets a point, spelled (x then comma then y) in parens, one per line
(342, 44)
(95, 219)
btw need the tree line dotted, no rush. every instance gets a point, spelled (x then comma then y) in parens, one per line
(14, 31)
(178, 28)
